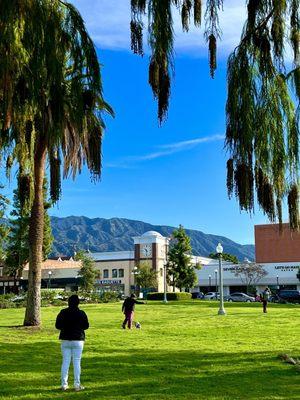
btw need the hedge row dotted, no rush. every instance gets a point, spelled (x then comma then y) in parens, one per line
(57, 298)
(170, 296)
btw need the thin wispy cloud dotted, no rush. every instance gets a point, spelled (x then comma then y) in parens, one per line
(164, 151)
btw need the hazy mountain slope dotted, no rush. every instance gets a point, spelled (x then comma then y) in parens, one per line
(99, 234)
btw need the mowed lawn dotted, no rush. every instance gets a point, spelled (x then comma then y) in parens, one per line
(183, 351)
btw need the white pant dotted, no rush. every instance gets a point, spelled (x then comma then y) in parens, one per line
(71, 349)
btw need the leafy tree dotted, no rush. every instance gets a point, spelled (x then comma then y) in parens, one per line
(249, 273)
(17, 253)
(51, 108)
(87, 271)
(263, 103)
(180, 270)
(145, 276)
(225, 257)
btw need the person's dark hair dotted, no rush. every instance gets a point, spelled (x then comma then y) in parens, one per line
(133, 296)
(73, 300)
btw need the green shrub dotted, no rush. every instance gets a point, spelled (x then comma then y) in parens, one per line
(170, 296)
(109, 297)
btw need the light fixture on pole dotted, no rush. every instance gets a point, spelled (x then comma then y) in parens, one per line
(209, 282)
(277, 279)
(135, 272)
(165, 269)
(219, 250)
(49, 279)
(216, 280)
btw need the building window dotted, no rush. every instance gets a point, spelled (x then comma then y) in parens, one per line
(105, 273)
(121, 273)
(114, 273)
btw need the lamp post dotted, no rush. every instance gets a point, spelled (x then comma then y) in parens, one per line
(216, 280)
(219, 250)
(209, 282)
(277, 279)
(49, 279)
(165, 269)
(135, 272)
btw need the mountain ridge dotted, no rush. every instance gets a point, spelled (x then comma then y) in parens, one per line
(115, 234)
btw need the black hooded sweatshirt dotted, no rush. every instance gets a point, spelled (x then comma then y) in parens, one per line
(72, 322)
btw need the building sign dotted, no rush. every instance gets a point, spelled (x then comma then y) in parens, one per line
(108, 282)
(287, 267)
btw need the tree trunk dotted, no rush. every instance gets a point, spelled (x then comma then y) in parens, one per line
(36, 232)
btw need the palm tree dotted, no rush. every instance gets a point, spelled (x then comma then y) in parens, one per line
(51, 106)
(263, 103)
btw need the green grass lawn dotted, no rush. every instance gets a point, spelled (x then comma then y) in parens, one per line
(183, 351)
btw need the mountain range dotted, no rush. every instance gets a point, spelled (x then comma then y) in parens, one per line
(115, 234)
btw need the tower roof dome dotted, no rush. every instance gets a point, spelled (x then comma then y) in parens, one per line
(152, 233)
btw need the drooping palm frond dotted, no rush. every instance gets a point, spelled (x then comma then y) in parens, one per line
(262, 117)
(160, 14)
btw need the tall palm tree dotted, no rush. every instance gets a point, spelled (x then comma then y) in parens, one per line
(51, 106)
(263, 103)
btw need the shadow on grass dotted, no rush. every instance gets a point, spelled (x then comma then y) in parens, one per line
(32, 371)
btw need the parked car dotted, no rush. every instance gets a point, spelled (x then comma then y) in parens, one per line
(240, 297)
(198, 295)
(212, 296)
(288, 296)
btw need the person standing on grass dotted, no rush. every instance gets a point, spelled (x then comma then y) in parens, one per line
(128, 310)
(72, 322)
(265, 298)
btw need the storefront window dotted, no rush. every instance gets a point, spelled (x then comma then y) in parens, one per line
(114, 273)
(105, 273)
(121, 273)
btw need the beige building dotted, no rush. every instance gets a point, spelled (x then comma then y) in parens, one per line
(116, 269)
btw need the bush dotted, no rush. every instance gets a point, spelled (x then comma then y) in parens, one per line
(109, 297)
(6, 301)
(170, 296)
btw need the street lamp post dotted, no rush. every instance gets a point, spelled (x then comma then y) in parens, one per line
(165, 283)
(219, 250)
(209, 282)
(216, 280)
(277, 279)
(49, 279)
(165, 268)
(135, 272)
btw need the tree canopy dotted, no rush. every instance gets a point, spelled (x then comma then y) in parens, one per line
(262, 134)
(51, 109)
(146, 276)
(180, 270)
(225, 257)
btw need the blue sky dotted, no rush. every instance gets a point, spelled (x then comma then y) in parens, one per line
(170, 175)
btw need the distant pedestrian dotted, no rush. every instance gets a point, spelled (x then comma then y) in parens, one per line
(72, 322)
(128, 310)
(265, 298)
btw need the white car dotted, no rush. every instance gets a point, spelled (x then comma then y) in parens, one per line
(212, 296)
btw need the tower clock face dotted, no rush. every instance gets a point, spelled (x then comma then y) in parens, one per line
(147, 250)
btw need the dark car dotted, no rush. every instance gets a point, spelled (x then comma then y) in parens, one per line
(198, 295)
(240, 297)
(289, 296)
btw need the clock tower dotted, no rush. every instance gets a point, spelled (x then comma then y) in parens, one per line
(152, 247)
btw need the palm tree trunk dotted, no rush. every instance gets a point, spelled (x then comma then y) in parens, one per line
(36, 232)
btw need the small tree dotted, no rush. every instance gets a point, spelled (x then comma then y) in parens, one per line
(250, 273)
(225, 257)
(146, 277)
(180, 270)
(87, 272)
(17, 254)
